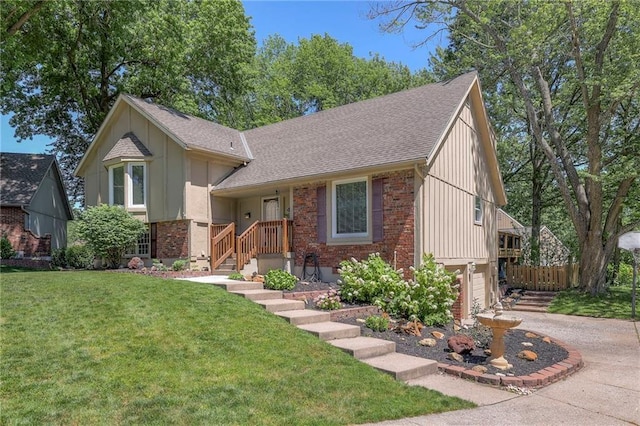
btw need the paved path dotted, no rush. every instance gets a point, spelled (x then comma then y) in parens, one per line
(606, 391)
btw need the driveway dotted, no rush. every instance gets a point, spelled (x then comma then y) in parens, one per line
(606, 391)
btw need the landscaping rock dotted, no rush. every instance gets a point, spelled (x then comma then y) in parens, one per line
(437, 335)
(461, 343)
(528, 355)
(456, 357)
(527, 344)
(530, 335)
(487, 352)
(480, 369)
(428, 342)
(546, 339)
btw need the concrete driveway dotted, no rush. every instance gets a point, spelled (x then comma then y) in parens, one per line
(606, 391)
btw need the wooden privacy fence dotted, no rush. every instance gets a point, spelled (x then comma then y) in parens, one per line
(542, 278)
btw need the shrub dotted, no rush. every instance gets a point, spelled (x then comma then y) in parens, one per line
(624, 276)
(109, 231)
(135, 263)
(377, 323)
(59, 258)
(428, 296)
(6, 249)
(368, 281)
(158, 266)
(180, 265)
(80, 257)
(236, 276)
(277, 279)
(328, 301)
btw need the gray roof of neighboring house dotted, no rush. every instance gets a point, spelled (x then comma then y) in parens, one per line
(128, 146)
(20, 176)
(194, 132)
(391, 129)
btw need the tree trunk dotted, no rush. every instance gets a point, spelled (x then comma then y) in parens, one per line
(537, 186)
(593, 267)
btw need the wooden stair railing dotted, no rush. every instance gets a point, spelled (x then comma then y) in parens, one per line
(247, 245)
(268, 237)
(222, 243)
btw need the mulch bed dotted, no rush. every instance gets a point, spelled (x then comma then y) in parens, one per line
(548, 353)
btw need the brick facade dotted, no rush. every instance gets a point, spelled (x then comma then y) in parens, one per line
(456, 308)
(398, 224)
(12, 225)
(173, 239)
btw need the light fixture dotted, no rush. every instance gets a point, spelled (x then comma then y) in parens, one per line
(247, 215)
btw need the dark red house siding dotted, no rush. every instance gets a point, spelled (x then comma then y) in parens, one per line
(12, 225)
(397, 225)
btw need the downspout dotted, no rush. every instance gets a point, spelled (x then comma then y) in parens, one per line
(421, 211)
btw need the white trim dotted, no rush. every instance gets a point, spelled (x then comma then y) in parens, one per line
(334, 215)
(478, 209)
(130, 184)
(115, 166)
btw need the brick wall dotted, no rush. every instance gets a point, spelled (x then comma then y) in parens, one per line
(456, 309)
(398, 217)
(12, 225)
(173, 239)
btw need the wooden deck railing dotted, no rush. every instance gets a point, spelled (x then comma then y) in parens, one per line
(509, 252)
(222, 243)
(542, 278)
(268, 237)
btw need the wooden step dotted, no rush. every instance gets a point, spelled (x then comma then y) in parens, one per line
(239, 285)
(331, 330)
(364, 347)
(403, 367)
(278, 305)
(305, 316)
(259, 294)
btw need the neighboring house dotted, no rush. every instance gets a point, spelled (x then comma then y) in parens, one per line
(404, 174)
(33, 203)
(514, 244)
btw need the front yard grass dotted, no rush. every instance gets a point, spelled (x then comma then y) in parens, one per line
(615, 303)
(110, 348)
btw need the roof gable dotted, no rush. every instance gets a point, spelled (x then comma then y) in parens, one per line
(128, 146)
(21, 175)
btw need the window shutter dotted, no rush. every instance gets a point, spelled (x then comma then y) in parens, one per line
(376, 210)
(321, 201)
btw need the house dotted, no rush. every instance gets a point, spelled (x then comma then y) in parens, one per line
(404, 174)
(34, 208)
(514, 241)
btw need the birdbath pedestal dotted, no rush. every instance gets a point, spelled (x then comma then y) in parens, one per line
(499, 325)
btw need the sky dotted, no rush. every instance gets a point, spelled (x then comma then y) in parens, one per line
(345, 21)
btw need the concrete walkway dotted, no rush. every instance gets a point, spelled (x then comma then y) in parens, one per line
(606, 391)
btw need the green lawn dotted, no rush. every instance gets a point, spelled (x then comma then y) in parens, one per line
(616, 303)
(108, 348)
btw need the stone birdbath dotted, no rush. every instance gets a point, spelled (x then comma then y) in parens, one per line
(499, 325)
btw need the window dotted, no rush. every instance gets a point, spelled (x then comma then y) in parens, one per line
(116, 185)
(141, 248)
(134, 176)
(478, 211)
(350, 204)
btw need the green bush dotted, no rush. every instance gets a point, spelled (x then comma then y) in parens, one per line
(377, 323)
(180, 265)
(59, 258)
(329, 301)
(277, 279)
(368, 281)
(159, 266)
(6, 249)
(236, 276)
(625, 274)
(80, 257)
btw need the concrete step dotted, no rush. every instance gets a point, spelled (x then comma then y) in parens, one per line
(259, 294)
(540, 293)
(364, 347)
(331, 330)
(403, 367)
(239, 285)
(529, 308)
(535, 299)
(305, 316)
(277, 305)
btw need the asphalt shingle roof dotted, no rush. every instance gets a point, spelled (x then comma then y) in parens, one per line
(128, 146)
(392, 129)
(194, 132)
(20, 176)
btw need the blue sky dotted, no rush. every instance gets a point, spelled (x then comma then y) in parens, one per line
(343, 20)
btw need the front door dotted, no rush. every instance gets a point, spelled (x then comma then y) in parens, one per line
(270, 209)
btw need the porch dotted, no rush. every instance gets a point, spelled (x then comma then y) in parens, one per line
(271, 237)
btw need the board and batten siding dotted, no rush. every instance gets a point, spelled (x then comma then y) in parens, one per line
(458, 173)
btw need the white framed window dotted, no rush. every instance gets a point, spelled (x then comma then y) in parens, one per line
(350, 208)
(133, 176)
(478, 210)
(142, 247)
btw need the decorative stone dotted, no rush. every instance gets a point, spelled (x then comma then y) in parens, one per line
(487, 352)
(530, 335)
(546, 339)
(527, 344)
(528, 355)
(456, 357)
(480, 369)
(437, 335)
(428, 342)
(461, 343)
(361, 320)
(501, 374)
(456, 327)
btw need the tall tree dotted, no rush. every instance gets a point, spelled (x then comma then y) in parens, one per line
(574, 68)
(68, 60)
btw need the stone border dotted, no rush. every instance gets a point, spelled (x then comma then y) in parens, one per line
(541, 378)
(337, 314)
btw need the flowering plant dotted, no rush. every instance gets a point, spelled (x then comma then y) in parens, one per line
(329, 301)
